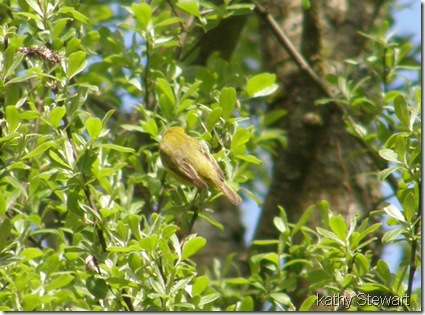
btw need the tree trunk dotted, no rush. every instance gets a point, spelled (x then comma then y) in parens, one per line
(321, 161)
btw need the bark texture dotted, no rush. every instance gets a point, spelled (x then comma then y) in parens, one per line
(321, 161)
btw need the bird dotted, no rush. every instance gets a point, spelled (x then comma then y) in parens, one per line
(189, 162)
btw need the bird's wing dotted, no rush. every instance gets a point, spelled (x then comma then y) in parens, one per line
(180, 168)
(213, 163)
(192, 176)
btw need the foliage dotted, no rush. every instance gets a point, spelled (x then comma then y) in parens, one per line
(88, 218)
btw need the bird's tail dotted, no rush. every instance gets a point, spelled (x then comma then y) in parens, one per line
(230, 194)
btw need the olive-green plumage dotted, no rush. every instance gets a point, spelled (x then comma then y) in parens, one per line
(188, 161)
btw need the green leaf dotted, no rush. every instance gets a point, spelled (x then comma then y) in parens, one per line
(392, 235)
(212, 221)
(59, 26)
(120, 282)
(362, 264)
(201, 283)
(5, 228)
(35, 6)
(75, 14)
(143, 13)
(324, 213)
(98, 287)
(120, 249)
(400, 143)
(271, 257)
(214, 117)
(149, 243)
(30, 302)
(347, 280)
(166, 98)
(273, 116)
(383, 270)
(241, 8)
(390, 96)
(237, 281)
(12, 117)
(185, 104)
(39, 150)
(134, 261)
(265, 242)
(410, 206)
(193, 246)
(401, 110)
(394, 212)
(11, 61)
(59, 282)
(76, 63)
(2, 205)
(303, 220)
(308, 303)
(56, 116)
(134, 224)
(249, 158)
(240, 137)
(246, 305)
(227, 101)
(306, 5)
(389, 155)
(357, 130)
(180, 285)
(85, 162)
(133, 128)
(329, 235)
(60, 160)
(339, 227)
(369, 230)
(167, 22)
(29, 115)
(388, 171)
(158, 286)
(51, 264)
(261, 85)
(165, 88)
(208, 299)
(20, 78)
(31, 253)
(151, 127)
(93, 126)
(115, 147)
(191, 7)
(12, 95)
(281, 298)
(279, 224)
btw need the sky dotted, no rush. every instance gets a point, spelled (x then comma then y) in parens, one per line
(408, 20)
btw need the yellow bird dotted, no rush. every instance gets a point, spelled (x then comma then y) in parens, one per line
(189, 162)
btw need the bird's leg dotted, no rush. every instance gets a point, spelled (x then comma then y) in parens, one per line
(195, 209)
(193, 220)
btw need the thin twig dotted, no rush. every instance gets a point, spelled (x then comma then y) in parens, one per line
(195, 208)
(85, 188)
(413, 266)
(185, 32)
(290, 48)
